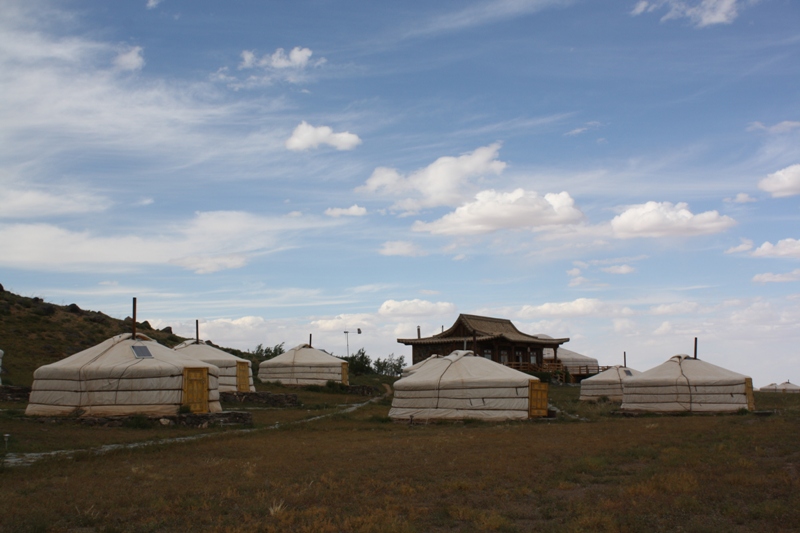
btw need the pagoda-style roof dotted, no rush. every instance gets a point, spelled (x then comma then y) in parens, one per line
(484, 328)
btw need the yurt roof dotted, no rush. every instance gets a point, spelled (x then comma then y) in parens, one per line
(413, 368)
(770, 388)
(303, 354)
(116, 358)
(569, 356)
(205, 352)
(693, 370)
(788, 386)
(613, 375)
(461, 369)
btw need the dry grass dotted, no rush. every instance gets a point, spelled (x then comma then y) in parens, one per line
(355, 472)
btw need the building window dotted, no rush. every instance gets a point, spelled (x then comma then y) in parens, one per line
(487, 353)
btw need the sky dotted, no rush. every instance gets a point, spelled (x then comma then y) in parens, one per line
(623, 173)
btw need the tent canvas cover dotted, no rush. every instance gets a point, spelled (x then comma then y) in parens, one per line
(461, 385)
(235, 373)
(607, 383)
(407, 371)
(304, 365)
(686, 384)
(787, 387)
(124, 376)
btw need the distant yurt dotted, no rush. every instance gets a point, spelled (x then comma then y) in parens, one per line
(304, 365)
(686, 384)
(460, 386)
(574, 363)
(772, 387)
(606, 384)
(124, 376)
(787, 387)
(407, 371)
(235, 373)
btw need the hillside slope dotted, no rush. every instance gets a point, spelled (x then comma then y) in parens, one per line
(35, 333)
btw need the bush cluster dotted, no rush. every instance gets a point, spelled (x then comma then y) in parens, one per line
(360, 364)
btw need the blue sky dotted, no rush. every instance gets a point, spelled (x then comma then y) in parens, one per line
(624, 173)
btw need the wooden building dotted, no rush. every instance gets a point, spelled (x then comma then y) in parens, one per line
(493, 338)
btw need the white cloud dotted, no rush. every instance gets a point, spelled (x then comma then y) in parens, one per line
(298, 58)
(353, 211)
(209, 264)
(664, 329)
(619, 269)
(624, 325)
(151, 4)
(574, 272)
(745, 246)
(769, 277)
(579, 307)
(664, 219)
(782, 127)
(17, 202)
(306, 136)
(785, 182)
(701, 12)
(493, 211)
(345, 322)
(577, 281)
(678, 308)
(402, 248)
(130, 60)
(209, 242)
(784, 248)
(582, 129)
(741, 198)
(416, 307)
(440, 183)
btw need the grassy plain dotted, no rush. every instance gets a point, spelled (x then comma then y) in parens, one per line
(588, 470)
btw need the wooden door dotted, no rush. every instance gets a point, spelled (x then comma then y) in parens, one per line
(242, 376)
(748, 390)
(195, 389)
(345, 377)
(537, 399)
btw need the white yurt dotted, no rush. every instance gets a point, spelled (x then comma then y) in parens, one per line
(461, 385)
(235, 373)
(574, 363)
(686, 384)
(304, 365)
(787, 387)
(772, 387)
(124, 376)
(607, 383)
(407, 371)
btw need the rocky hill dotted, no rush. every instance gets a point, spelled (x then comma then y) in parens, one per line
(35, 333)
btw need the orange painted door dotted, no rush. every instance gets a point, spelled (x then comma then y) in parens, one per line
(242, 376)
(195, 389)
(537, 399)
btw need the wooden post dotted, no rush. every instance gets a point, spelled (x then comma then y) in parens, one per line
(134, 318)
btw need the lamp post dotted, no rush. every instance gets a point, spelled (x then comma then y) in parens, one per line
(347, 340)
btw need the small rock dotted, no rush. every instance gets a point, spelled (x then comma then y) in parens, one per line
(165, 422)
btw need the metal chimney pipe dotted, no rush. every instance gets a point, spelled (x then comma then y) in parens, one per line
(625, 359)
(695, 347)
(197, 330)
(134, 318)
(418, 333)
(309, 338)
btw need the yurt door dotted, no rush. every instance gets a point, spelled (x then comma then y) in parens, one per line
(537, 399)
(345, 377)
(242, 376)
(748, 391)
(195, 389)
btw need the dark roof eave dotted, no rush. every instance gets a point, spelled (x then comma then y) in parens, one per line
(448, 340)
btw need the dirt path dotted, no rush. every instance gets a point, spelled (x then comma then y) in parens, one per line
(26, 459)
